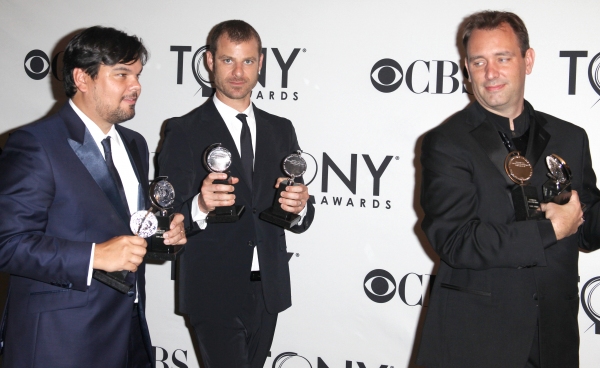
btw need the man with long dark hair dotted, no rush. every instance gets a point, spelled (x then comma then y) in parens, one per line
(69, 184)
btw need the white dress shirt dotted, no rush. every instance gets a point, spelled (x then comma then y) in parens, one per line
(121, 161)
(235, 129)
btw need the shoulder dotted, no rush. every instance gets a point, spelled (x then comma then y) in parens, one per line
(46, 127)
(268, 117)
(559, 126)
(130, 134)
(457, 125)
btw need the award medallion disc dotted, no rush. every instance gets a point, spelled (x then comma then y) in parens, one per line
(518, 168)
(143, 223)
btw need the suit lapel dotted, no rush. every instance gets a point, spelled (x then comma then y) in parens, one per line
(136, 162)
(216, 127)
(264, 147)
(487, 136)
(87, 150)
(489, 139)
(538, 136)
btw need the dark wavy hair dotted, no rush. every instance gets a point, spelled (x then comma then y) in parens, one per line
(236, 30)
(99, 46)
(489, 20)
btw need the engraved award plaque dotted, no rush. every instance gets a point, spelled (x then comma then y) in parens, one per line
(218, 159)
(524, 196)
(294, 166)
(557, 189)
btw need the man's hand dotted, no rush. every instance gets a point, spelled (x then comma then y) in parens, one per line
(565, 218)
(176, 236)
(294, 198)
(120, 253)
(216, 195)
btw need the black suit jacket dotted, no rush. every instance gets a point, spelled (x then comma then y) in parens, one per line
(215, 268)
(495, 271)
(56, 195)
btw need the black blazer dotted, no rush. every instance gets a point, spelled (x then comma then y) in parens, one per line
(215, 268)
(495, 270)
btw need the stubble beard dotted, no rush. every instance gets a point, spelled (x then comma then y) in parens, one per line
(114, 116)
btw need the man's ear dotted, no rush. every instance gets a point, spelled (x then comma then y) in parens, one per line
(260, 62)
(209, 61)
(81, 79)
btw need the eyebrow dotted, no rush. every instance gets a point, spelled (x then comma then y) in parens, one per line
(500, 53)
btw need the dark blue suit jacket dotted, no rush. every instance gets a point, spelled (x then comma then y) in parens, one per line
(57, 198)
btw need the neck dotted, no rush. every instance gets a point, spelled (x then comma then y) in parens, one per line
(90, 111)
(238, 104)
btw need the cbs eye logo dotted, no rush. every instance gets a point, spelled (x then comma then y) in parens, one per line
(413, 289)
(37, 64)
(386, 75)
(380, 286)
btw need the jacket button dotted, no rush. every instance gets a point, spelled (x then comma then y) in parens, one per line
(535, 297)
(250, 243)
(254, 210)
(130, 293)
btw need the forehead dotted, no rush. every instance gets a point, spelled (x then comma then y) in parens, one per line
(498, 39)
(134, 67)
(226, 46)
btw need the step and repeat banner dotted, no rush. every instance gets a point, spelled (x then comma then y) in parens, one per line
(362, 81)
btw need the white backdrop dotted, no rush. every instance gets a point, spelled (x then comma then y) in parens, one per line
(343, 120)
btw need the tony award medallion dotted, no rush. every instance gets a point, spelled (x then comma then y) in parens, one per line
(294, 166)
(557, 189)
(218, 159)
(524, 197)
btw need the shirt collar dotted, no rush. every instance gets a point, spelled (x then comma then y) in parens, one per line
(521, 122)
(229, 111)
(94, 129)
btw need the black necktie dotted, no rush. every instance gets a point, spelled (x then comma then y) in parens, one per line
(247, 154)
(114, 172)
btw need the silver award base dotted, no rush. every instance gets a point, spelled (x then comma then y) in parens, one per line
(276, 215)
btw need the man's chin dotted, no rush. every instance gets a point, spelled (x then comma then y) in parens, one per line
(122, 117)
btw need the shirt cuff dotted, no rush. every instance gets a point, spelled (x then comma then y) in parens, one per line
(91, 268)
(302, 214)
(197, 215)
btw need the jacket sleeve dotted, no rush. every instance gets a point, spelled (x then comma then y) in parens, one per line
(27, 192)
(590, 196)
(310, 208)
(452, 222)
